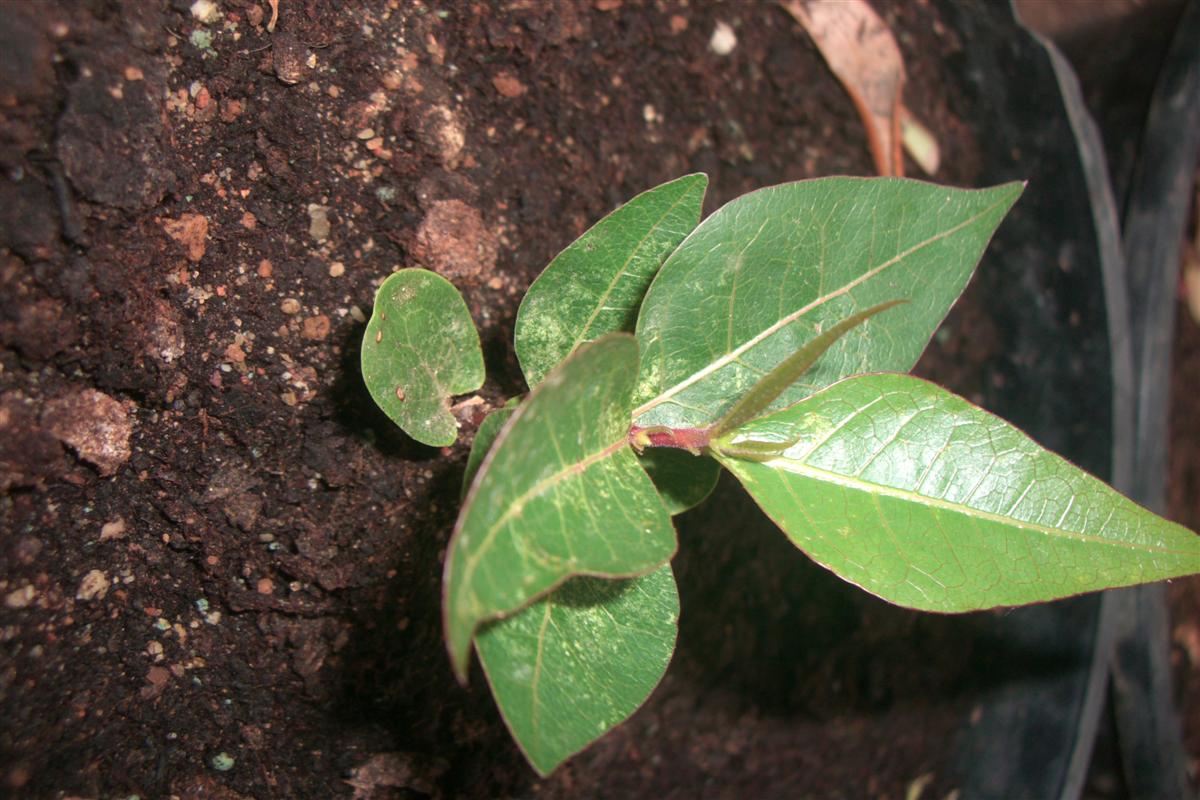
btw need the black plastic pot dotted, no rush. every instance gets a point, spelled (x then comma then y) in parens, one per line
(1036, 731)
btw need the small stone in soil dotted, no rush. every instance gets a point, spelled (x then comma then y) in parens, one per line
(191, 231)
(318, 222)
(112, 530)
(20, 598)
(93, 586)
(507, 84)
(442, 134)
(94, 425)
(289, 58)
(454, 242)
(316, 328)
(723, 40)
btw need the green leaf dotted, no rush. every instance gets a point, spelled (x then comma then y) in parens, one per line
(596, 284)
(773, 268)
(531, 658)
(682, 479)
(485, 437)
(927, 501)
(560, 494)
(753, 403)
(580, 661)
(420, 348)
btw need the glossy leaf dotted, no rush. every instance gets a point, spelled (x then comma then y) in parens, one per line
(627, 629)
(574, 664)
(917, 496)
(682, 479)
(596, 284)
(560, 494)
(419, 349)
(773, 268)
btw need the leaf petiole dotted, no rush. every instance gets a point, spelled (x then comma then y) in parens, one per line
(694, 440)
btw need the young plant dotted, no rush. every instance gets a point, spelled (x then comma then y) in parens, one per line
(772, 340)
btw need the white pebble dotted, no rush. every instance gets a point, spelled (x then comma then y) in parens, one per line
(723, 39)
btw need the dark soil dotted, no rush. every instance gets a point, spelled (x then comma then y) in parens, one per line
(220, 563)
(1183, 497)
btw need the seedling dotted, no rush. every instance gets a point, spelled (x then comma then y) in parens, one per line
(772, 340)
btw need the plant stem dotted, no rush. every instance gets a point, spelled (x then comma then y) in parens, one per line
(691, 439)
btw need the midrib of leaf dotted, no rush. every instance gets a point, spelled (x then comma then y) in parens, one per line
(877, 490)
(736, 353)
(612, 285)
(518, 504)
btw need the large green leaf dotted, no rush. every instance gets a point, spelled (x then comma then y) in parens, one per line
(560, 493)
(596, 284)
(555, 695)
(773, 268)
(917, 496)
(580, 661)
(420, 348)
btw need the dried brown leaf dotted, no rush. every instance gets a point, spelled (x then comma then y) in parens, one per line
(863, 54)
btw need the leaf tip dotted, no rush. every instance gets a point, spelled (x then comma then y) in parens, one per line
(1015, 188)
(458, 647)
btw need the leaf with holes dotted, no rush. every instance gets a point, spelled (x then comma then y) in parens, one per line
(420, 348)
(773, 268)
(927, 501)
(596, 284)
(559, 494)
(580, 661)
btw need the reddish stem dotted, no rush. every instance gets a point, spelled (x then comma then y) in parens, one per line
(691, 439)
